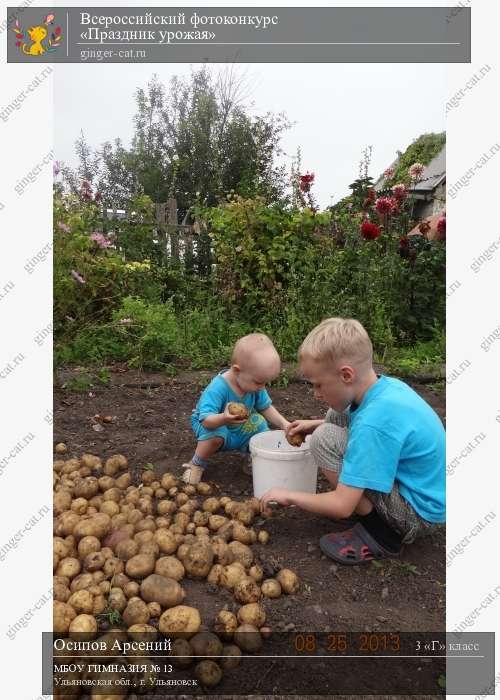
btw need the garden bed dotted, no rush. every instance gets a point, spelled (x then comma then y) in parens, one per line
(150, 425)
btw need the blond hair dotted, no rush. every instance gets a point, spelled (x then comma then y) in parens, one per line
(336, 339)
(247, 346)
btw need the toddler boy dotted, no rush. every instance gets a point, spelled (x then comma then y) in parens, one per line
(254, 363)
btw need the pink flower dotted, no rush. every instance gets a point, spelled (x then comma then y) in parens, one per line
(385, 205)
(400, 191)
(76, 276)
(100, 239)
(63, 227)
(388, 173)
(369, 231)
(125, 321)
(415, 171)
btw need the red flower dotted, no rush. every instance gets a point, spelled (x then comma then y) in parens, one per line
(371, 194)
(441, 228)
(18, 43)
(19, 36)
(58, 31)
(385, 205)
(305, 181)
(369, 231)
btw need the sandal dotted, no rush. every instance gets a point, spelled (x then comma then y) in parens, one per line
(353, 546)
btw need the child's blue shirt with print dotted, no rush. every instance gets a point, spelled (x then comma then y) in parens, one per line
(394, 435)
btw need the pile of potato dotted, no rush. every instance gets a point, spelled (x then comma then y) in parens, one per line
(126, 548)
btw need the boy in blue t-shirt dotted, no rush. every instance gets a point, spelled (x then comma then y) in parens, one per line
(254, 363)
(381, 447)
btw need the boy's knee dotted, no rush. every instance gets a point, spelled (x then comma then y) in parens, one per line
(323, 437)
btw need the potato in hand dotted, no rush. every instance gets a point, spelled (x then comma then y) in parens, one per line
(238, 409)
(296, 440)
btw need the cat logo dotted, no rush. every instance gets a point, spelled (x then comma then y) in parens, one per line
(40, 39)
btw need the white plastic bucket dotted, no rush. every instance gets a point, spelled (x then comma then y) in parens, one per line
(276, 463)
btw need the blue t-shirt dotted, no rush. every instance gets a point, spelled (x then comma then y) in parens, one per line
(394, 435)
(219, 393)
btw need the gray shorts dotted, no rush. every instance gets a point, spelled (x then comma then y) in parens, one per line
(328, 444)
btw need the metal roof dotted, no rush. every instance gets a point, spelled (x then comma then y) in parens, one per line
(433, 175)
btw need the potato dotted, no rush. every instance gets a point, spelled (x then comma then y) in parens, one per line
(136, 613)
(165, 591)
(263, 537)
(240, 552)
(245, 515)
(63, 615)
(225, 624)
(66, 523)
(222, 553)
(296, 440)
(126, 549)
(61, 592)
(61, 547)
(154, 609)
(115, 464)
(70, 567)
(211, 505)
(117, 600)
(201, 518)
(252, 614)
(170, 567)
(140, 565)
(231, 657)
(81, 581)
(110, 508)
(232, 574)
(289, 581)
(82, 602)
(88, 545)
(208, 673)
(163, 522)
(181, 519)
(247, 590)
(91, 461)
(122, 482)
(166, 541)
(99, 604)
(107, 552)
(183, 653)
(180, 620)
(120, 581)
(83, 627)
(148, 476)
(94, 561)
(225, 532)
(144, 536)
(150, 548)
(131, 589)
(206, 644)
(98, 525)
(62, 501)
(238, 409)
(271, 588)
(165, 507)
(168, 481)
(248, 638)
(182, 552)
(216, 521)
(203, 489)
(198, 560)
(201, 531)
(215, 574)
(256, 572)
(86, 488)
(60, 448)
(241, 533)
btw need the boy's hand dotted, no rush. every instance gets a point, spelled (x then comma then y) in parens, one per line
(229, 419)
(281, 496)
(302, 426)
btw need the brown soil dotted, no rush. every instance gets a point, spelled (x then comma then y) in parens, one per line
(151, 425)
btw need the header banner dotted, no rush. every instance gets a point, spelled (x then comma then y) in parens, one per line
(238, 35)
